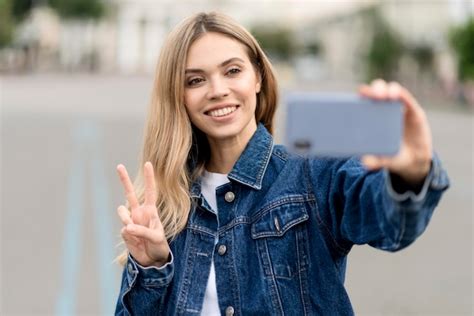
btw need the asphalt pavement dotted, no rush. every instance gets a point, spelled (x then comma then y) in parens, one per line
(63, 135)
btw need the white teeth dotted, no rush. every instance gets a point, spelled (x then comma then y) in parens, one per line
(222, 112)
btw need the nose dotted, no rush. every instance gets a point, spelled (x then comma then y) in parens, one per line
(217, 88)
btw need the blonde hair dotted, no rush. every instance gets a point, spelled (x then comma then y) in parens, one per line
(177, 149)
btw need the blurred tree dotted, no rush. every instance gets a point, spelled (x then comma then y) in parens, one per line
(6, 23)
(277, 42)
(423, 54)
(462, 41)
(280, 43)
(21, 8)
(313, 48)
(78, 9)
(385, 49)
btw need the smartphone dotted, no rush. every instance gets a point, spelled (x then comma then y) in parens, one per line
(342, 125)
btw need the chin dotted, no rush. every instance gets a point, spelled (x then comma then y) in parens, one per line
(238, 129)
(224, 132)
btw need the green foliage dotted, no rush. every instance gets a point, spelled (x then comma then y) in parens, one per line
(462, 40)
(78, 9)
(385, 50)
(423, 54)
(6, 23)
(277, 42)
(21, 8)
(313, 48)
(280, 43)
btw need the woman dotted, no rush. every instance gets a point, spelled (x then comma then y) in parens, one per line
(223, 221)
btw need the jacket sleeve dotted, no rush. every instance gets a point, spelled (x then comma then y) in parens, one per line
(356, 206)
(143, 288)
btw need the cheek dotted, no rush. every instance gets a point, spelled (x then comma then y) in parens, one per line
(191, 101)
(251, 95)
(248, 89)
(193, 104)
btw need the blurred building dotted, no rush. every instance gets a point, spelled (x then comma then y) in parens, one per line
(143, 24)
(128, 39)
(345, 35)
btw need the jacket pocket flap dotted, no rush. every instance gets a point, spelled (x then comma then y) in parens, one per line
(276, 221)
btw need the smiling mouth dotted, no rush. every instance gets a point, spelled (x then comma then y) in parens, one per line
(222, 112)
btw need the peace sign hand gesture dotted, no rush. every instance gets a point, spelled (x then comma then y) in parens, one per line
(143, 232)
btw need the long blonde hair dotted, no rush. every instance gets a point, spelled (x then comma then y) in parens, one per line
(178, 150)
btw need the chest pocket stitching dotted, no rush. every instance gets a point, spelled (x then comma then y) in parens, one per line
(287, 215)
(289, 199)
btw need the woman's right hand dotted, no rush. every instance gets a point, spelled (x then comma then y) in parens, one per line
(143, 232)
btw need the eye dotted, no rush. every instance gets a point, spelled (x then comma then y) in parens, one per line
(194, 81)
(234, 71)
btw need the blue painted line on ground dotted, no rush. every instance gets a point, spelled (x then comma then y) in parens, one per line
(66, 303)
(103, 226)
(87, 140)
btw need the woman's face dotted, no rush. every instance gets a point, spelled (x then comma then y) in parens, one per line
(221, 87)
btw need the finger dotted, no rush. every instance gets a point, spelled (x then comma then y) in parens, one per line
(409, 100)
(376, 90)
(128, 186)
(145, 233)
(379, 89)
(365, 90)
(369, 162)
(150, 186)
(129, 238)
(378, 82)
(155, 223)
(397, 92)
(124, 215)
(394, 90)
(372, 162)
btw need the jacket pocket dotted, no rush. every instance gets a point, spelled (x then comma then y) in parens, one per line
(275, 222)
(280, 236)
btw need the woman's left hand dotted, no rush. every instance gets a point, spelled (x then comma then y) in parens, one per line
(413, 161)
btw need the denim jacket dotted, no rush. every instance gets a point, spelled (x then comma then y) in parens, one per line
(285, 226)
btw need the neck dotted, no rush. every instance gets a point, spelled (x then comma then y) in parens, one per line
(225, 152)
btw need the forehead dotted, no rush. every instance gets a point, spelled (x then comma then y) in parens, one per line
(214, 48)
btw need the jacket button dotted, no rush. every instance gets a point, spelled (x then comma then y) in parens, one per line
(222, 250)
(229, 196)
(229, 311)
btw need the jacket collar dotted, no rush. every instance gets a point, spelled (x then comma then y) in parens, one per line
(252, 163)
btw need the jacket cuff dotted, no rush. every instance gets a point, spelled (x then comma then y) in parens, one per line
(149, 276)
(436, 179)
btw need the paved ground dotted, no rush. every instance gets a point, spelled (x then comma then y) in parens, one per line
(61, 138)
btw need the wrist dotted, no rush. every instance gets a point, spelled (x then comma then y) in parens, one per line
(416, 176)
(161, 263)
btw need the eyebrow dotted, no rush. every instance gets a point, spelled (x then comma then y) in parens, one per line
(223, 64)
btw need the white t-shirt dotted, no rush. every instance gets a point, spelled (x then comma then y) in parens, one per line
(210, 181)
